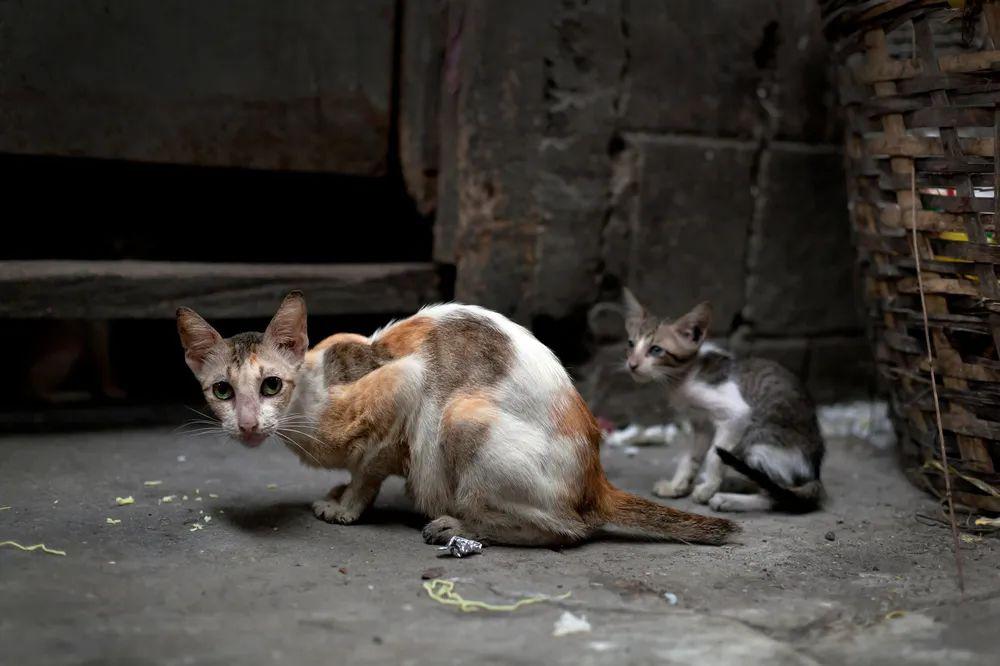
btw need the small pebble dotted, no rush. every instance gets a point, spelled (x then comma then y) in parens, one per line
(343, 570)
(433, 572)
(830, 536)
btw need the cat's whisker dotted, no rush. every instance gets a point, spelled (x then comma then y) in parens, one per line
(304, 434)
(285, 438)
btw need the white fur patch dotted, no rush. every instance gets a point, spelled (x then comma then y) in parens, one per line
(787, 466)
(722, 402)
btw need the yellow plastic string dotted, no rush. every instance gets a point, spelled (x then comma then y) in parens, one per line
(37, 546)
(443, 592)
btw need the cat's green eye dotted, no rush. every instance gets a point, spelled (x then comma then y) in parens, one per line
(222, 390)
(656, 350)
(270, 386)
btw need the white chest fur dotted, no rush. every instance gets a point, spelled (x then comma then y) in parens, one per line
(717, 402)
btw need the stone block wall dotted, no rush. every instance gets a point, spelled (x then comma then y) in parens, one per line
(687, 149)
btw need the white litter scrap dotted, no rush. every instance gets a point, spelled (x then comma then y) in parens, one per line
(166, 499)
(671, 598)
(867, 420)
(196, 526)
(637, 435)
(124, 501)
(112, 521)
(570, 624)
(152, 483)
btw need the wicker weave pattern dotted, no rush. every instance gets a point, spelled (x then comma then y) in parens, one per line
(920, 82)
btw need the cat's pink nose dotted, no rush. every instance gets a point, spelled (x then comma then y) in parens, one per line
(633, 366)
(248, 427)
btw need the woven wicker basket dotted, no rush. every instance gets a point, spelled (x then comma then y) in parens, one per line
(920, 85)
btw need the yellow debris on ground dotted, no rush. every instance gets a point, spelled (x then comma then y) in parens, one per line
(124, 501)
(4, 508)
(152, 483)
(112, 521)
(443, 592)
(37, 546)
(168, 498)
(213, 496)
(272, 486)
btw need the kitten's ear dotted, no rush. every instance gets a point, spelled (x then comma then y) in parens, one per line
(634, 312)
(693, 326)
(287, 329)
(197, 337)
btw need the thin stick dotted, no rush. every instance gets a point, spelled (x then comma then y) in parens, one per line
(930, 364)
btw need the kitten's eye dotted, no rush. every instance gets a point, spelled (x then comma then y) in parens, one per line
(222, 390)
(656, 350)
(631, 344)
(270, 386)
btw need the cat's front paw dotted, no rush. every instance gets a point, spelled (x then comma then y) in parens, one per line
(337, 492)
(704, 491)
(333, 511)
(670, 489)
(441, 529)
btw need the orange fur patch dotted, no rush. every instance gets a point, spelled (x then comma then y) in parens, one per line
(362, 414)
(314, 354)
(474, 407)
(337, 338)
(574, 420)
(465, 428)
(406, 337)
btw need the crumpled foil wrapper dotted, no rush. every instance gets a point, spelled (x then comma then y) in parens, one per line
(461, 547)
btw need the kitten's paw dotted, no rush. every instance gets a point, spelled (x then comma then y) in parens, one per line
(721, 502)
(670, 489)
(333, 511)
(441, 529)
(703, 492)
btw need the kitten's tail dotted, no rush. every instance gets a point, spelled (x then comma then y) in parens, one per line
(657, 521)
(804, 497)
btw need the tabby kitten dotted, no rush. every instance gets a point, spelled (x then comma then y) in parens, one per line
(750, 414)
(480, 417)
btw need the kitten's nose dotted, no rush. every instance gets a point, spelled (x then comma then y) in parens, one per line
(633, 366)
(248, 427)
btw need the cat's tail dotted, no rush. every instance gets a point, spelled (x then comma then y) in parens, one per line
(656, 521)
(804, 497)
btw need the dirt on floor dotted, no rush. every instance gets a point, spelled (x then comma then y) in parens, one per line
(234, 568)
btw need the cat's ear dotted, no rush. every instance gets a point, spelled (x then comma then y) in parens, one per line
(693, 326)
(287, 329)
(634, 312)
(197, 337)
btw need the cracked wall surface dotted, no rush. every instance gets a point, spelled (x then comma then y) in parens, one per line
(688, 151)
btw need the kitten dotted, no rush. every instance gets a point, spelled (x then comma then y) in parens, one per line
(482, 420)
(750, 414)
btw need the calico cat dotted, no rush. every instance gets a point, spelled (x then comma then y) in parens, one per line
(750, 414)
(478, 416)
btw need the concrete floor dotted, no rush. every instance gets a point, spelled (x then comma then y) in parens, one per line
(264, 582)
